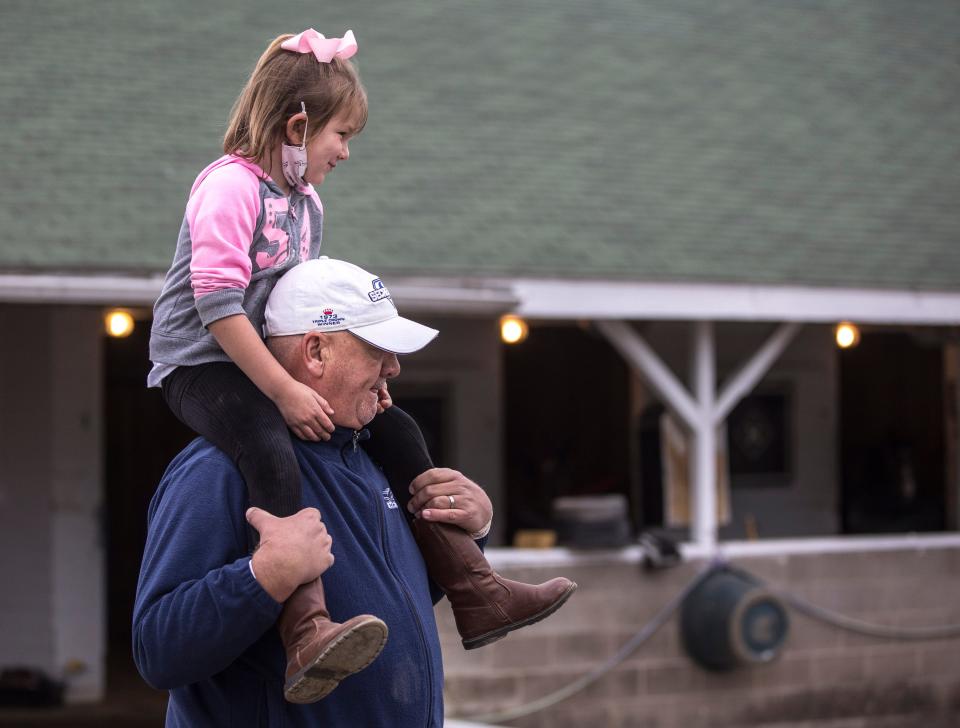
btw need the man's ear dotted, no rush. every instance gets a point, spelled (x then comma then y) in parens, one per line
(314, 352)
(294, 128)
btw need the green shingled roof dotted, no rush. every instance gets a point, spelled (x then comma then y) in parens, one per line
(692, 140)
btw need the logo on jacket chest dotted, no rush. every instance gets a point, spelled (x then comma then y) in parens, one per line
(389, 499)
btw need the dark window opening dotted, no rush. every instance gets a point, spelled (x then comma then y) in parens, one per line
(760, 440)
(566, 422)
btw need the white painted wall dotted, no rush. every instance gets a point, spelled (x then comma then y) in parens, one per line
(52, 606)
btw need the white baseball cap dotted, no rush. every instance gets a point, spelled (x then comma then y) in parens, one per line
(333, 295)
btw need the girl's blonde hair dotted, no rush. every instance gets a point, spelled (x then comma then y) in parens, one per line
(279, 82)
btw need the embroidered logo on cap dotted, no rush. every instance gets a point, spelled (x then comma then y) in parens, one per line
(379, 291)
(328, 318)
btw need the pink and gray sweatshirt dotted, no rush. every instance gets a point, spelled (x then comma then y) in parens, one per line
(240, 233)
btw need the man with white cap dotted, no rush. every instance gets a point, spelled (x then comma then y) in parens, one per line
(333, 327)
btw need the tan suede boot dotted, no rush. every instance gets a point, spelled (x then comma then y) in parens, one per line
(321, 653)
(485, 605)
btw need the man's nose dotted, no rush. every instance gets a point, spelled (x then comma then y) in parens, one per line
(391, 366)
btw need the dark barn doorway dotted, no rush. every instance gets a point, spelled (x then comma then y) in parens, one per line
(567, 407)
(892, 443)
(141, 437)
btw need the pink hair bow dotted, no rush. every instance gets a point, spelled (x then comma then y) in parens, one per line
(325, 49)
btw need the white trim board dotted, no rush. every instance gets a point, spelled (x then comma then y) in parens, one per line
(560, 299)
(727, 302)
(504, 557)
(109, 290)
(440, 295)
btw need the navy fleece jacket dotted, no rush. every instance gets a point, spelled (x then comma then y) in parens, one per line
(203, 628)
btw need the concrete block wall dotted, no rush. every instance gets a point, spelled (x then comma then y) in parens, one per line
(824, 676)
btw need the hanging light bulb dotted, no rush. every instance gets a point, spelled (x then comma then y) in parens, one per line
(847, 335)
(513, 329)
(119, 323)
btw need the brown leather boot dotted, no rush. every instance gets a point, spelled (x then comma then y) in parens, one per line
(321, 653)
(485, 605)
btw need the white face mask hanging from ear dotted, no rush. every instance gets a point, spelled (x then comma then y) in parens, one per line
(294, 159)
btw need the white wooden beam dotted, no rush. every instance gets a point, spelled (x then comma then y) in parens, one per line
(559, 299)
(750, 374)
(638, 354)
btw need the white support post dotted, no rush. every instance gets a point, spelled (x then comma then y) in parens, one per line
(703, 412)
(704, 455)
(750, 374)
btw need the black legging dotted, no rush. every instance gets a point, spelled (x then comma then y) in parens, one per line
(219, 401)
(397, 444)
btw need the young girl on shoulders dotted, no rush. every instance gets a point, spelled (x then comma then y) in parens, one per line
(251, 216)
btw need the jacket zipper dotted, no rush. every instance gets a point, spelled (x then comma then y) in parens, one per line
(410, 605)
(403, 587)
